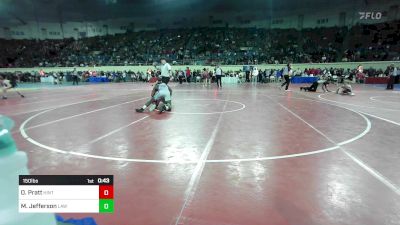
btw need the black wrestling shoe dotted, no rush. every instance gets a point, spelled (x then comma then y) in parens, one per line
(4, 97)
(140, 110)
(22, 96)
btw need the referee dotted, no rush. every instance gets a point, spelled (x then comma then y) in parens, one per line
(165, 71)
(287, 72)
(218, 76)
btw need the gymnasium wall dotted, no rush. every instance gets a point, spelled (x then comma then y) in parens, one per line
(350, 65)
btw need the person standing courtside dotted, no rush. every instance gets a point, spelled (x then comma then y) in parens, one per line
(165, 71)
(206, 77)
(287, 71)
(75, 78)
(392, 77)
(188, 75)
(218, 76)
(247, 72)
(254, 75)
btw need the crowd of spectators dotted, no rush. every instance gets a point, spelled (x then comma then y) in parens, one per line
(188, 75)
(210, 46)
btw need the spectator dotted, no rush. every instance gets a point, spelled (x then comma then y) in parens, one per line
(392, 74)
(254, 75)
(206, 77)
(188, 74)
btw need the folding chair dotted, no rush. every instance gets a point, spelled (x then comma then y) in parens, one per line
(198, 79)
(272, 79)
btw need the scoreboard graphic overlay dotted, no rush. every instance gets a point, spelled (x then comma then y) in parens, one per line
(66, 194)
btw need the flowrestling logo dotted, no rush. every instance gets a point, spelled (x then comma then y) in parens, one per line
(370, 15)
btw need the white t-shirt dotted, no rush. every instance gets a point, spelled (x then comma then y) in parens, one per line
(255, 72)
(165, 70)
(286, 71)
(218, 72)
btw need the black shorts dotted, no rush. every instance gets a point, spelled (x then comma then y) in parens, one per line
(165, 80)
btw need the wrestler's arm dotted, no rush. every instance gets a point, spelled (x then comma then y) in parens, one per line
(155, 89)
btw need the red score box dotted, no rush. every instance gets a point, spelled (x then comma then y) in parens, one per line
(106, 192)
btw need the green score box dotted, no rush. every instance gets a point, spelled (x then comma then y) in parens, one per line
(106, 206)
